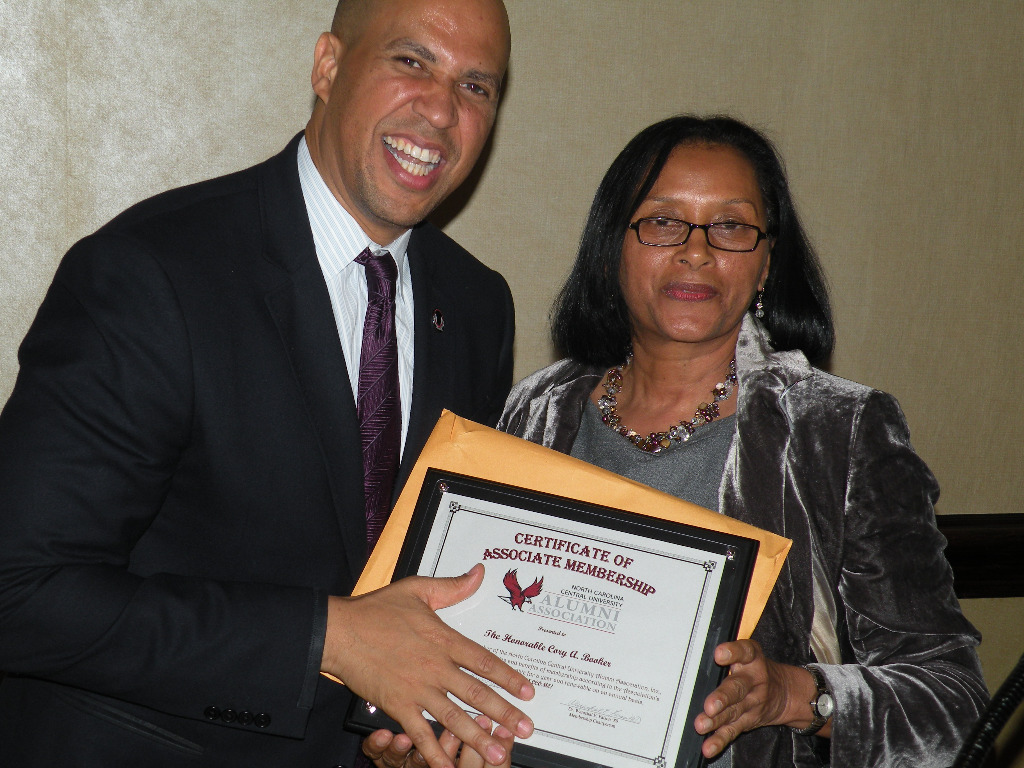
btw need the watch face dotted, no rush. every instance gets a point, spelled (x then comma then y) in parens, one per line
(825, 705)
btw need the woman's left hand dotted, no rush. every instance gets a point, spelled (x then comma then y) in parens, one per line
(757, 692)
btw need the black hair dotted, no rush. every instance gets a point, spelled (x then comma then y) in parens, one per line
(589, 318)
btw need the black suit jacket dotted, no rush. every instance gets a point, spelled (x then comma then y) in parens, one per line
(181, 482)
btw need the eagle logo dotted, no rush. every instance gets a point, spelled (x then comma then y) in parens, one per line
(516, 594)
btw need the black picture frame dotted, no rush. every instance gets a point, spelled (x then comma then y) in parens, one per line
(736, 554)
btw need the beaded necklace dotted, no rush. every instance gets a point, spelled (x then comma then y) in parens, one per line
(681, 432)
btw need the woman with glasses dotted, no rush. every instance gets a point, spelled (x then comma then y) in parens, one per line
(689, 319)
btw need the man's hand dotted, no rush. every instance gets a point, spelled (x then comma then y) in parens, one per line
(757, 692)
(389, 750)
(391, 649)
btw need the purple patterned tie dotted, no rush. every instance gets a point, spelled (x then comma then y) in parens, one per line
(378, 405)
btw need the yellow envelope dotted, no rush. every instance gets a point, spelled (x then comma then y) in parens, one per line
(464, 447)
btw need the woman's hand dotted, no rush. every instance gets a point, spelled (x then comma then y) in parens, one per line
(757, 692)
(388, 750)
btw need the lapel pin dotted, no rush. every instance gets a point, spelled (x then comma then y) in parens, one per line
(437, 319)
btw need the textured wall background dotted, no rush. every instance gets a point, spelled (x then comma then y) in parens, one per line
(901, 122)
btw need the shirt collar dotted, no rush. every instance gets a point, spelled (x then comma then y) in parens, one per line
(337, 236)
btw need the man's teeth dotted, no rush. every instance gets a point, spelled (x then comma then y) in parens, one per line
(423, 160)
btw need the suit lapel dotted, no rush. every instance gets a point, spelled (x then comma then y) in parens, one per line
(300, 306)
(755, 487)
(436, 353)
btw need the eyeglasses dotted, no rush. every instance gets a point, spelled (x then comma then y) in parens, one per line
(725, 236)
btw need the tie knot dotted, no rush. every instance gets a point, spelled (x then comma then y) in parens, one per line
(379, 265)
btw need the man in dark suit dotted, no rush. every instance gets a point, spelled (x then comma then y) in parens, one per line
(181, 467)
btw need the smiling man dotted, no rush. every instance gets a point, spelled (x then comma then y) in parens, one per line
(221, 395)
(406, 102)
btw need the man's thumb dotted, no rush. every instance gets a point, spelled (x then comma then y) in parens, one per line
(450, 590)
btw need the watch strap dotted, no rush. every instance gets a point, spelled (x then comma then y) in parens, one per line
(818, 720)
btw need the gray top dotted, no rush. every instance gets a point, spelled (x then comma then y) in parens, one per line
(691, 471)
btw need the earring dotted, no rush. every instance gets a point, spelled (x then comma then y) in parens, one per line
(759, 305)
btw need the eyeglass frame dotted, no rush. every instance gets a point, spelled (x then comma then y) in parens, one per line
(761, 234)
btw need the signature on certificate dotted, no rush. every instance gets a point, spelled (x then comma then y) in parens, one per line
(599, 714)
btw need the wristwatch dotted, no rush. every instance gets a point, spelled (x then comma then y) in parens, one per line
(822, 707)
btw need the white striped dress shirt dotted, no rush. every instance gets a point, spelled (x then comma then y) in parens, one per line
(338, 240)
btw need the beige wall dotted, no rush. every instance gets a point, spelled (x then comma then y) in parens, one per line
(901, 122)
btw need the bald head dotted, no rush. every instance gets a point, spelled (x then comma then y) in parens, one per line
(407, 93)
(351, 15)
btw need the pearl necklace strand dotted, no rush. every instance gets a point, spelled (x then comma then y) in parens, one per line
(681, 432)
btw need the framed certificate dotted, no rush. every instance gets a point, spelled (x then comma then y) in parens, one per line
(613, 616)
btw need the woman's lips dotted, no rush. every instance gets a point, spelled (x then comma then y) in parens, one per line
(689, 291)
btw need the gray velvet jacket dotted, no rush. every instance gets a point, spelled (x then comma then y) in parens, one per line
(828, 463)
